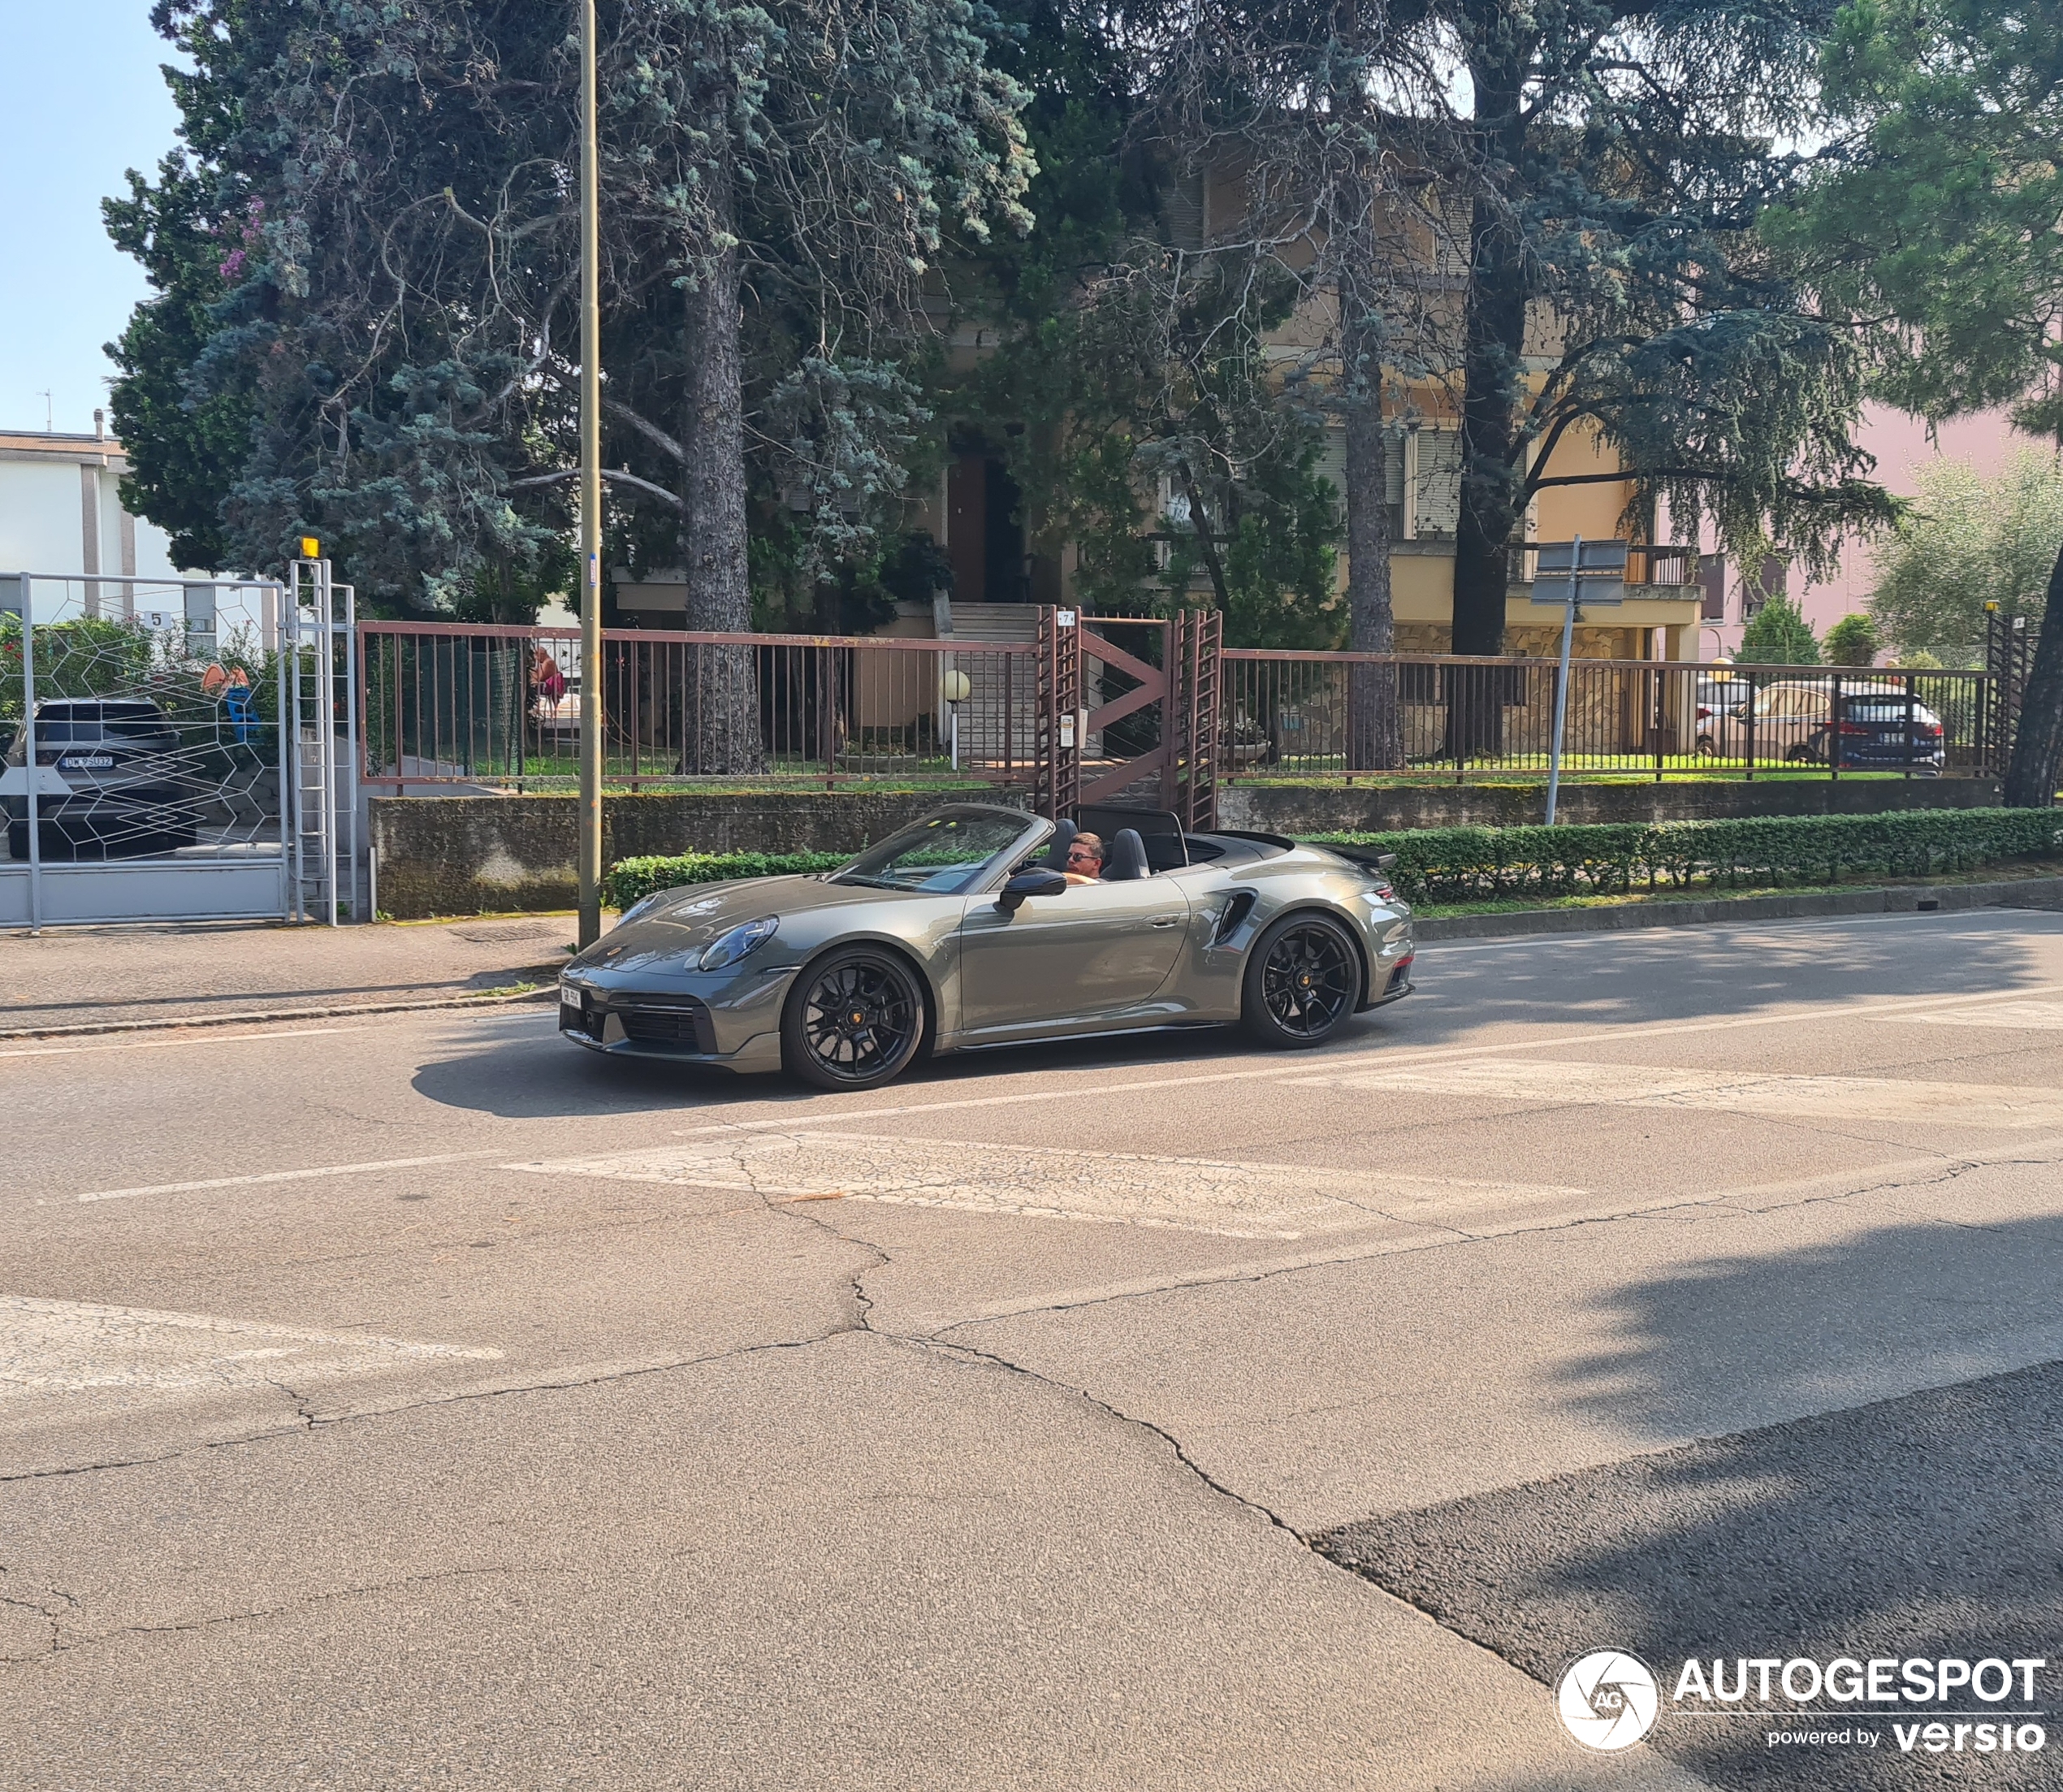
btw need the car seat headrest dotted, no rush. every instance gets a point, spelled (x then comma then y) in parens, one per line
(1063, 838)
(1127, 858)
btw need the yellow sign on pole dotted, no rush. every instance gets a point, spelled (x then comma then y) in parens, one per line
(310, 548)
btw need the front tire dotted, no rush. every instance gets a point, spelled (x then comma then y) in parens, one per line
(854, 1020)
(1303, 981)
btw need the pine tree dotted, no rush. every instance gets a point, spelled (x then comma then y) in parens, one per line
(1611, 161)
(378, 203)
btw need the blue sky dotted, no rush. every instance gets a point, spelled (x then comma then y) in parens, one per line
(80, 101)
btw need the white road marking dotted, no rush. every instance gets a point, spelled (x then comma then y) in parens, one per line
(286, 1175)
(53, 1347)
(2043, 1015)
(199, 1038)
(1634, 1085)
(1228, 1199)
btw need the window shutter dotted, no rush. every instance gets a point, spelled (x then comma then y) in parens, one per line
(1439, 483)
(1182, 209)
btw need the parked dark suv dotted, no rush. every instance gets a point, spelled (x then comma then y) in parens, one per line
(118, 758)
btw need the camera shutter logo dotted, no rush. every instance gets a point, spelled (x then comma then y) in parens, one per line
(1608, 1699)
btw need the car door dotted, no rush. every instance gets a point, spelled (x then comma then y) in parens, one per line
(1776, 723)
(1096, 955)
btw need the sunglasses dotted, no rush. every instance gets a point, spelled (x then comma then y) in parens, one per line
(1080, 852)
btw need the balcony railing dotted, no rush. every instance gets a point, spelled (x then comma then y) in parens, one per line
(1647, 563)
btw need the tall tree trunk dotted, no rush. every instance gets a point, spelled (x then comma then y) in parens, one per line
(1375, 738)
(1493, 370)
(723, 724)
(2037, 763)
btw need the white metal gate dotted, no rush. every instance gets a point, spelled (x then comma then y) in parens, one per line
(177, 750)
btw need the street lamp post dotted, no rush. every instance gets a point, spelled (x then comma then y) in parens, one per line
(591, 680)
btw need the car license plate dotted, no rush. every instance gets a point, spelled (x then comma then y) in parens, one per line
(572, 998)
(95, 762)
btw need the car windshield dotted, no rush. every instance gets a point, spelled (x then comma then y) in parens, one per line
(946, 855)
(1890, 710)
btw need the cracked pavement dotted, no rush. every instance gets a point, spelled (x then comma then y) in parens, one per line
(417, 1399)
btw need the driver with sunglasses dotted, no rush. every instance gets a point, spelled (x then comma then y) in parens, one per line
(1085, 857)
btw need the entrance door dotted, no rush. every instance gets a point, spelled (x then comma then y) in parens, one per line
(1098, 953)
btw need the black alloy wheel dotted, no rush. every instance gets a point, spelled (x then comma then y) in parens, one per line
(855, 1019)
(1301, 981)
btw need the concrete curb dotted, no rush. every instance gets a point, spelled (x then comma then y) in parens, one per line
(270, 1017)
(1900, 899)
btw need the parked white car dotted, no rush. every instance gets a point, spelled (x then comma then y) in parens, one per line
(1880, 727)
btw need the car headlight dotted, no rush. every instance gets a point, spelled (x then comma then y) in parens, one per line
(730, 947)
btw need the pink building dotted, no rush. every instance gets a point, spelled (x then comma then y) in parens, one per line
(1905, 447)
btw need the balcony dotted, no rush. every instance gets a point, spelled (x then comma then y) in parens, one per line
(1653, 570)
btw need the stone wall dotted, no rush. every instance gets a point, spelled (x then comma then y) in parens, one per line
(482, 854)
(471, 855)
(1294, 809)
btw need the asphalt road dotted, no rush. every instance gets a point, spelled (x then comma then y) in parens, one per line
(413, 1399)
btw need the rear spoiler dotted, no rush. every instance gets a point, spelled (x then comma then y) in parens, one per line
(1361, 855)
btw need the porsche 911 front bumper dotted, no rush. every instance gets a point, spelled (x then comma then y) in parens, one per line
(735, 1028)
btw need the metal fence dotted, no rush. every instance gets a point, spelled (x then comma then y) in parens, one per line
(1301, 715)
(174, 749)
(451, 702)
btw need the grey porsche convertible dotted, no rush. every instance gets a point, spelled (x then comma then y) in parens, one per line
(962, 931)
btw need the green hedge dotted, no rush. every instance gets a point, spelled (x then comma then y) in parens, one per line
(629, 879)
(1478, 864)
(1484, 864)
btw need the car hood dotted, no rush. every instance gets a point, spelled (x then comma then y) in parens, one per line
(694, 915)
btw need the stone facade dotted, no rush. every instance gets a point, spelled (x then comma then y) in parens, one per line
(470, 855)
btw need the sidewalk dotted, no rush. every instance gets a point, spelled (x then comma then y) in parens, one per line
(80, 977)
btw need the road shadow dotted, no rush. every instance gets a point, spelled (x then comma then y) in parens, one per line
(1921, 1525)
(536, 1074)
(1700, 1349)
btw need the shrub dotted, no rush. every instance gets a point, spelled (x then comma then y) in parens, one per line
(629, 880)
(1778, 635)
(1852, 642)
(1479, 865)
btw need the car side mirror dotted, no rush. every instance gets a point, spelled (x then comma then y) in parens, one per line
(1040, 880)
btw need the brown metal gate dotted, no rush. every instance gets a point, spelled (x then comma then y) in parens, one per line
(1057, 736)
(1165, 754)
(1198, 638)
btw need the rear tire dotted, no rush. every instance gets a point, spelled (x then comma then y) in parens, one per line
(1302, 982)
(854, 1020)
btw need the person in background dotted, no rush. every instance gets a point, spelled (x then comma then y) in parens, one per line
(547, 682)
(241, 702)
